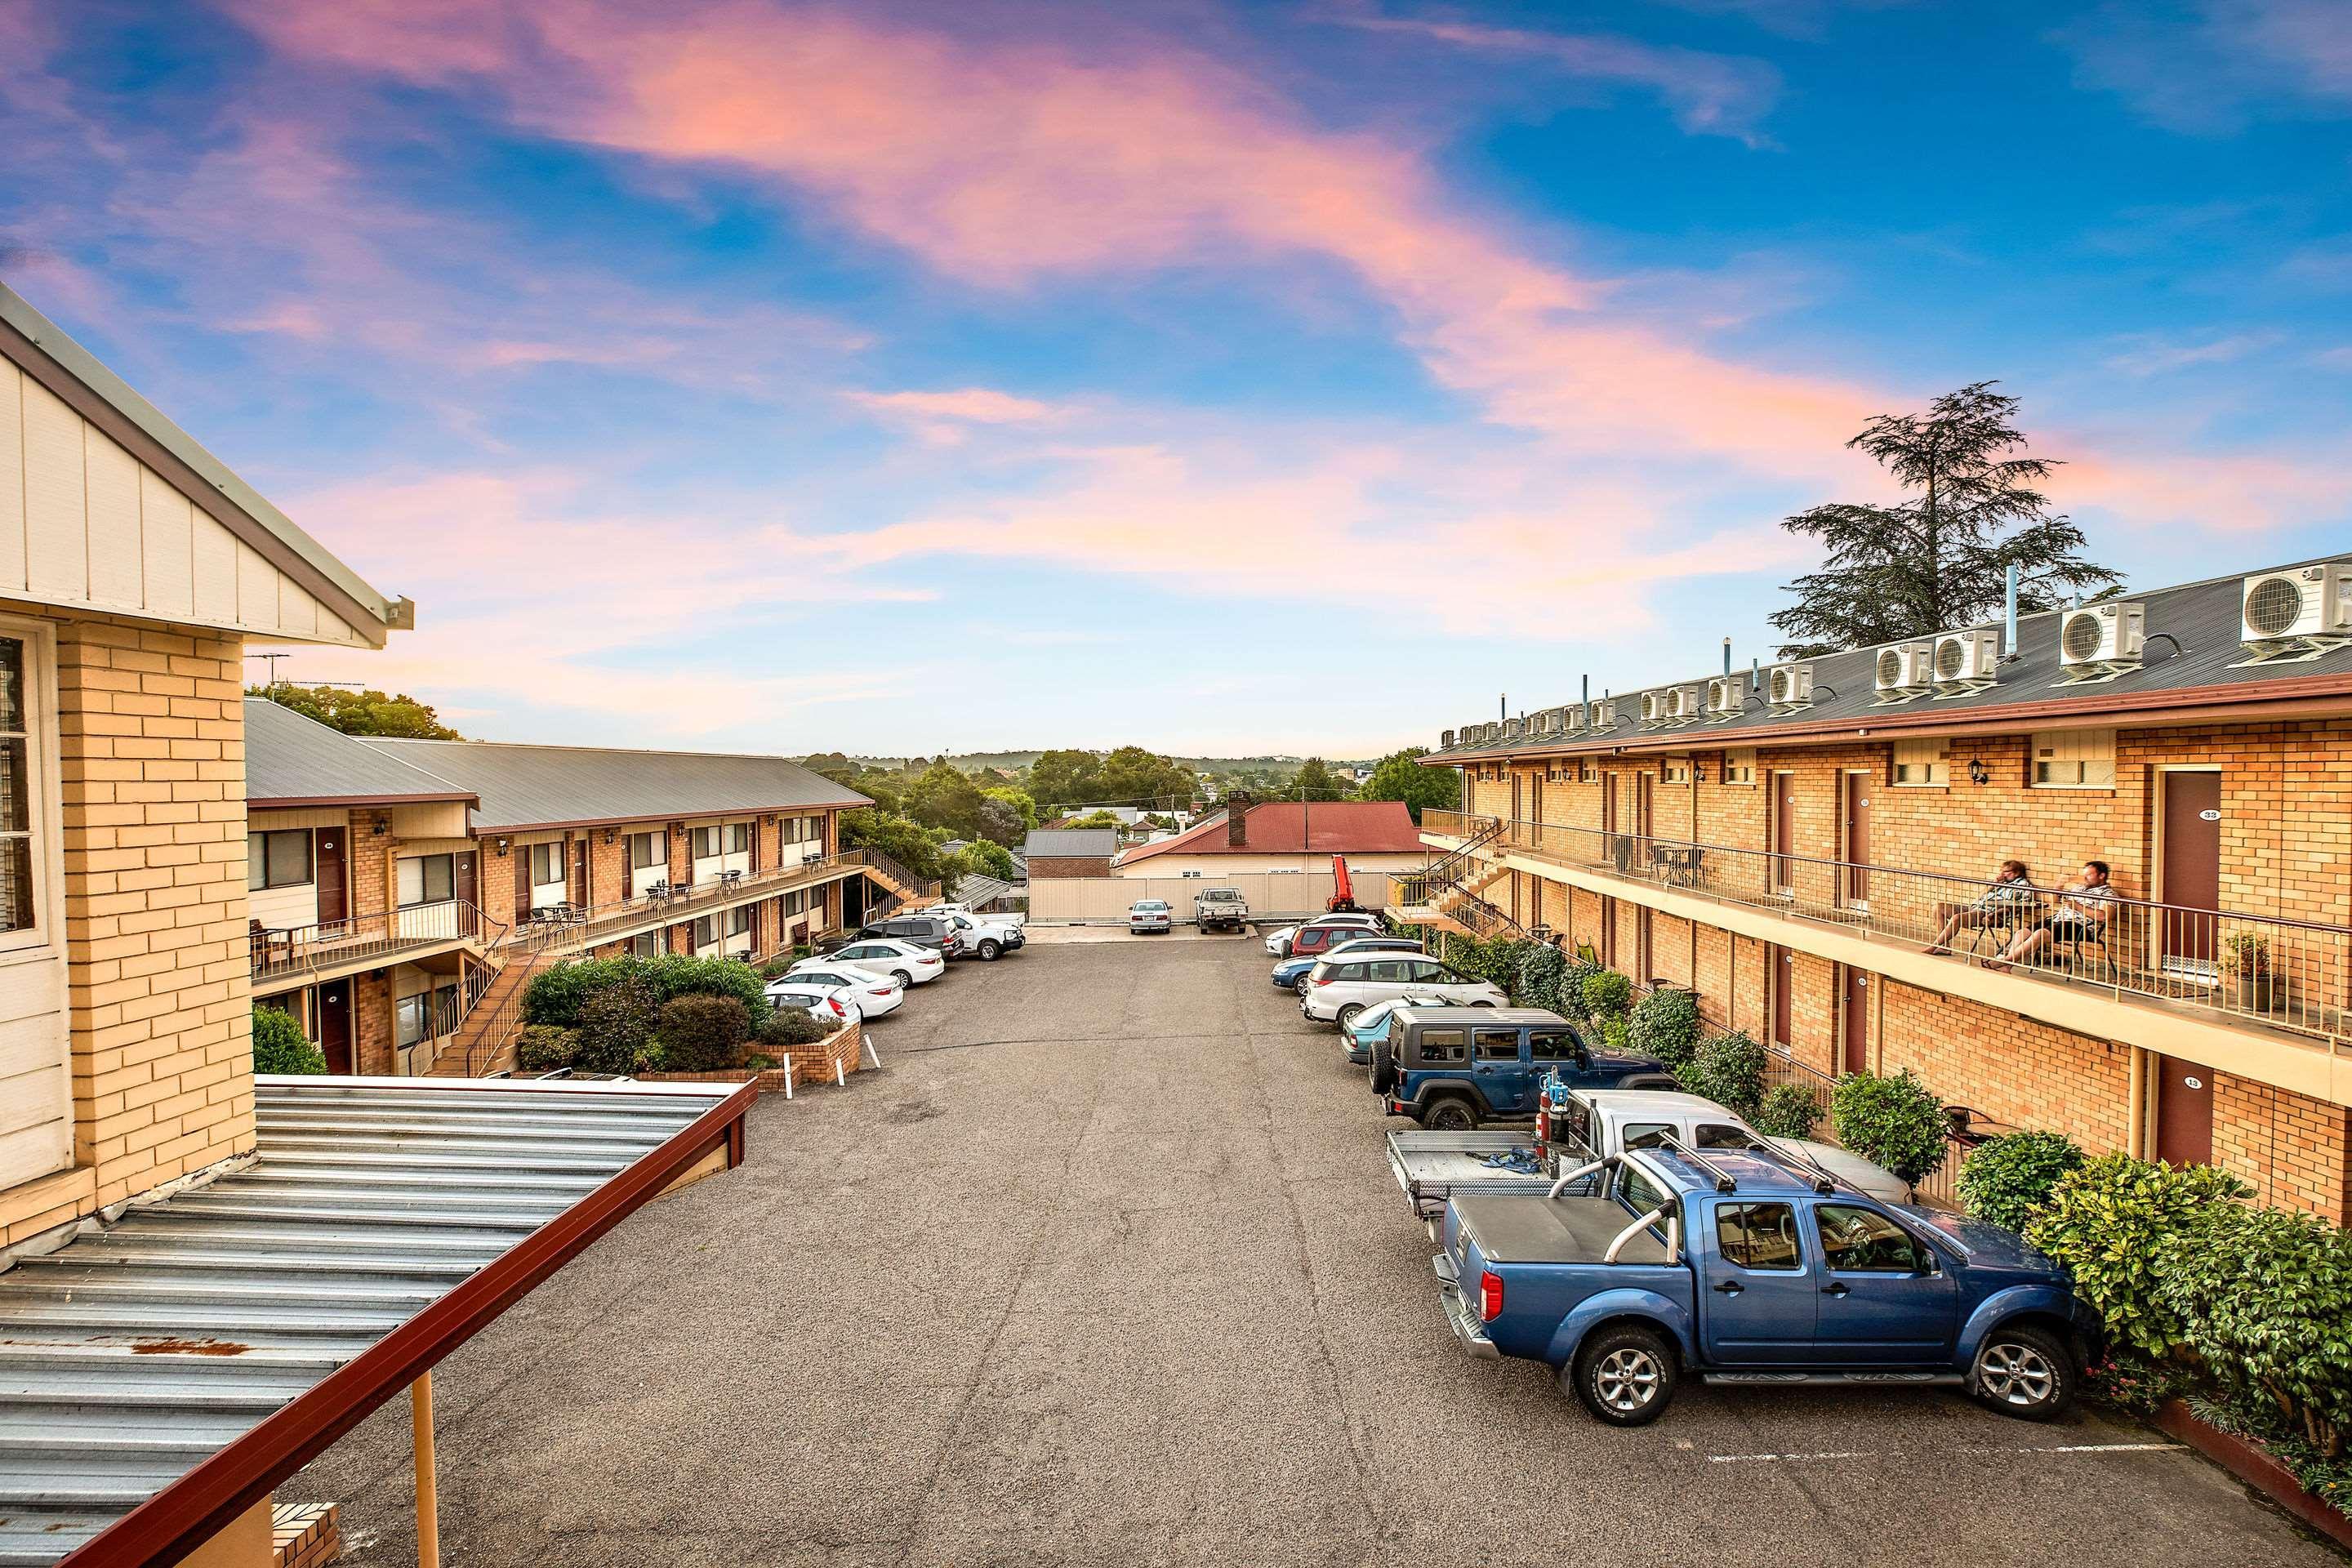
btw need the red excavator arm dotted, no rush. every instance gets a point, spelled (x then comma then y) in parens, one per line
(1343, 892)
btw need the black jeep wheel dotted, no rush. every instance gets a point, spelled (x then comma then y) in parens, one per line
(1384, 1067)
(1450, 1115)
(2024, 1372)
(1624, 1375)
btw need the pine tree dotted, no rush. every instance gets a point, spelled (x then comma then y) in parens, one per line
(1939, 559)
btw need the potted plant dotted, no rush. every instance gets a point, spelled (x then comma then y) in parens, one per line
(2257, 986)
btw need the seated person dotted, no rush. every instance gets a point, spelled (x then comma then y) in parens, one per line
(2001, 905)
(2081, 915)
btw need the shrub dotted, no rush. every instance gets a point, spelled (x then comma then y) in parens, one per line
(555, 994)
(1787, 1111)
(2007, 1178)
(1572, 988)
(1541, 973)
(788, 1027)
(560, 995)
(280, 1045)
(2263, 1296)
(1726, 1068)
(1606, 994)
(543, 1047)
(1497, 962)
(2106, 1220)
(702, 1034)
(616, 1030)
(1898, 1122)
(1664, 1025)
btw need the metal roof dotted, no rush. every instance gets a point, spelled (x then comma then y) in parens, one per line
(1071, 844)
(560, 786)
(160, 1376)
(977, 889)
(2193, 648)
(292, 758)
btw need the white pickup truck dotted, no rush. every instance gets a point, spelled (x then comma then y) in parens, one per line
(1219, 909)
(1591, 1123)
(985, 937)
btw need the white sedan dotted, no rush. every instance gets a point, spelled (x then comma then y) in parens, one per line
(829, 1004)
(874, 994)
(905, 962)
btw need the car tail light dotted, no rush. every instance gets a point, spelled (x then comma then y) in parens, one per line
(1327, 980)
(834, 1003)
(1490, 1296)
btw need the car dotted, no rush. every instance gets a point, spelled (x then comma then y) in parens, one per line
(985, 937)
(1314, 940)
(875, 993)
(1219, 909)
(834, 1002)
(1277, 943)
(1150, 915)
(924, 931)
(1338, 989)
(1371, 1025)
(1754, 1266)
(911, 964)
(1455, 1073)
(1291, 974)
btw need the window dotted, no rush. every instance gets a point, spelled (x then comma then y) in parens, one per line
(706, 930)
(427, 879)
(1390, 972)
(1720, 1135)
(649, 851)
(738, 921)
(1647, 1134)
(795, 904)
(1636, 1190)
(644, 944)
(279, 860)
(1675, 770)
(739, 838)
(18, 790)
(2074, 759)
(1864, 1241)
(1497, 1045)
(1552, 1045)
(1757, 1235)
(1739, 767)
(1445, 1044)
(1921, 765)
(408, 1019)
(546, 864)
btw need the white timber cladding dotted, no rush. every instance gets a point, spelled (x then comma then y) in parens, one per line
(35, 1089)
(1920, 764)
(2074, 759)
(85, 525)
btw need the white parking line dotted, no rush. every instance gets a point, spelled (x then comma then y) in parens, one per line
(1996, 1448)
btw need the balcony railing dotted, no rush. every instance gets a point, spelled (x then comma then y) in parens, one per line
(2261, 969)
(367, 939)
(573, 926)
(1456, 824)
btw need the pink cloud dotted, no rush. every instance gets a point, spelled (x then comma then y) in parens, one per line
(978, 404)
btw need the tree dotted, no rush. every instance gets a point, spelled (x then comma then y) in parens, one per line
(1134, 776)
(1398, 776)
(369, 712)
(1091, 819)
(1940, 558)
(1313, 781)
(1065, 778)
(902, 839)
(999, 823)
(981, 857)
(941, 796)
(1023, 806)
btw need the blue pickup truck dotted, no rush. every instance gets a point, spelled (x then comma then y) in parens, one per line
(1741, 1267)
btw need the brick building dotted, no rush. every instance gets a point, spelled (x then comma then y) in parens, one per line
(1374, 835)
(1789, 842)
(1051, 852)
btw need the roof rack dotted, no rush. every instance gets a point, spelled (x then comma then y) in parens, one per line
(1725, 1181)
(1825, 1181)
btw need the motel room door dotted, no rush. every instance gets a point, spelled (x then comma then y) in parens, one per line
(2190, 874)
(334, 878)
(1784, 833)
(1856, 893)
(2184, 1110)
(335, 1023)
(1855, 1018)
(1782, 979)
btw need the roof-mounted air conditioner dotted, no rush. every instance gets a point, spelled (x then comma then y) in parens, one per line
(2300, 602)
(1967, 659)
(1514, 728)
(1604, 713)
(1787, 686)
(1653, 706)
(1685, 703)
(1726, 696)
(2098, 642)
(1445, 740)
(1904, 670)
(1543, 722)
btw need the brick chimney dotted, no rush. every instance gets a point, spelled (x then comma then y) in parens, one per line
(1237, 807)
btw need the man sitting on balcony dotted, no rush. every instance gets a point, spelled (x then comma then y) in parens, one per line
(2000, 906)
(2081, 916)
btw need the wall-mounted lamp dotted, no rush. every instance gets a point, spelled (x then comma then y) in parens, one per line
(1978, 772)
(382, 827)
(502, 845)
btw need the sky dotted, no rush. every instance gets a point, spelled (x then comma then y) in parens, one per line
(1228, 378)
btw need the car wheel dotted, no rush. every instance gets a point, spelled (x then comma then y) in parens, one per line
(1624, 1375)
(2024, 1372)
(1350, 1014)
(1451, 1115)
(1384, 1067)
(1489, 1005)
(988, 951)
(902, 977)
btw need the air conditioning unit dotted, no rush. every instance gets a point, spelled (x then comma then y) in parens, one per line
(2106, 633)
(1445, 740)
(1514, 728)
(2301, 602)
(1967, 656)
(1789, 685)
(1604, 713)
(1726, 696)
(1653, 706)
(1542, 721)
(1572, 718)
(1685, 703)
(1906, 666)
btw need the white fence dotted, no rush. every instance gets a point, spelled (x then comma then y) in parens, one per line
(1085, 900)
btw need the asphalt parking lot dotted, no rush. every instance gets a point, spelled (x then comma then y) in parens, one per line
(1106, 1266)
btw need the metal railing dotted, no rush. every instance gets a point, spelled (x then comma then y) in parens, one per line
(918, 889)
(1457, 824)
(2263, 968)
(368, 940)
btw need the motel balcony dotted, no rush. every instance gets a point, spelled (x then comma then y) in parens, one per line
(2256, 995)
(307, 955)
(569, 927)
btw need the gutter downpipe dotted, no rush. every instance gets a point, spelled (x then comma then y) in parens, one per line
(2010, 603)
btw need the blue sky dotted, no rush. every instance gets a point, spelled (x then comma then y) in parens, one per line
(1222, 377)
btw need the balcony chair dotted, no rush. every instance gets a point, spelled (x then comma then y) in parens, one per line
(2074, 946)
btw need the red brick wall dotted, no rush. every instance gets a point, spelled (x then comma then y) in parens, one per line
(372, 1023)
(1071, 865)
(370, 855)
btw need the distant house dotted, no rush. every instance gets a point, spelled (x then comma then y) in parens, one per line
(1285, 835)
(1070, 852)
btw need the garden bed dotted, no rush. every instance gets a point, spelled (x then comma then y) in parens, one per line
(814, 1063)
(2254, 1465)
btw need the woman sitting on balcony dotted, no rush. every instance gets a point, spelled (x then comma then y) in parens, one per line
(2081, 916)
(2000, 906)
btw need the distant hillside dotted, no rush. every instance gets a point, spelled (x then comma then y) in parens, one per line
(1218, 767)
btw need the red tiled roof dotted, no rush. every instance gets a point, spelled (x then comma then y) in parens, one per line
(1287, 828)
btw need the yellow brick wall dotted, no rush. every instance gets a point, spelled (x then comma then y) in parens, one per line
(152, 755)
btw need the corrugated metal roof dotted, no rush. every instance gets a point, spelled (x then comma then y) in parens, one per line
(536, 786)
(130, 1357)
(2193, 645)
(1071, 843)
(1290, 827)
(289, 757)
(977, 891)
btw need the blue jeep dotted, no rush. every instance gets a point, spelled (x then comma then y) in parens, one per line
(1453, 1069)
(1752, 1267)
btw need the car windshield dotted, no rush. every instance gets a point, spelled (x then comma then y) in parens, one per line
(1149, 907)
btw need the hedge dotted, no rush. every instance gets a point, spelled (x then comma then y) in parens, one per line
(1787, 1111)
(280, 1045)
(2106, 1220)
(1897, 1121)
(556, 995)
(543, 1047)
(703, 1034)
(2009, 1178)
(1542, 974)
(788, 1027)
(1666, 1025)
(616, 1030)
(1727, 1068)
(1606, 994)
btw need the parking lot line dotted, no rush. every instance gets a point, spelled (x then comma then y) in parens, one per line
(1960, 1448)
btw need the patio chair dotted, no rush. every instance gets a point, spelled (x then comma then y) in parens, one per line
(2074, 946)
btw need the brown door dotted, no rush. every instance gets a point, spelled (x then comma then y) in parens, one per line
(579, 873)
(1857, 838)
(1782, 975)
(1612, 848)
(334, 877)
(468, 888)
(335, 1024)
(1518, 815)
(1535, 811)
(1857, 1019)
(1644, 805)
(1784, 832)
(2184, 1112)
(2191, 886)
(1609, 933)
(520, 858)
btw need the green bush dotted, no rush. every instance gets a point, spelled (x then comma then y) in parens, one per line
(616, 1030)
(543, 1047)
(2107, 1220)
(1572, 988)
(788, 1027)
(555, 994)
(2264, 1296)
(1664, 1025)
(1541, 974)
(1606, 994)
(2007, 1178)
(1787, 1111)
(1897, 1121)
(1726, 1068)
(702, 1034)
(558, 995)
(280, 1045)
(1497, 963)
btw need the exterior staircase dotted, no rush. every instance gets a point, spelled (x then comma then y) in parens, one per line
(484, 1041)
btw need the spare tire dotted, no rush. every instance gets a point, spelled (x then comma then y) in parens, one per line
(1384, 1067)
